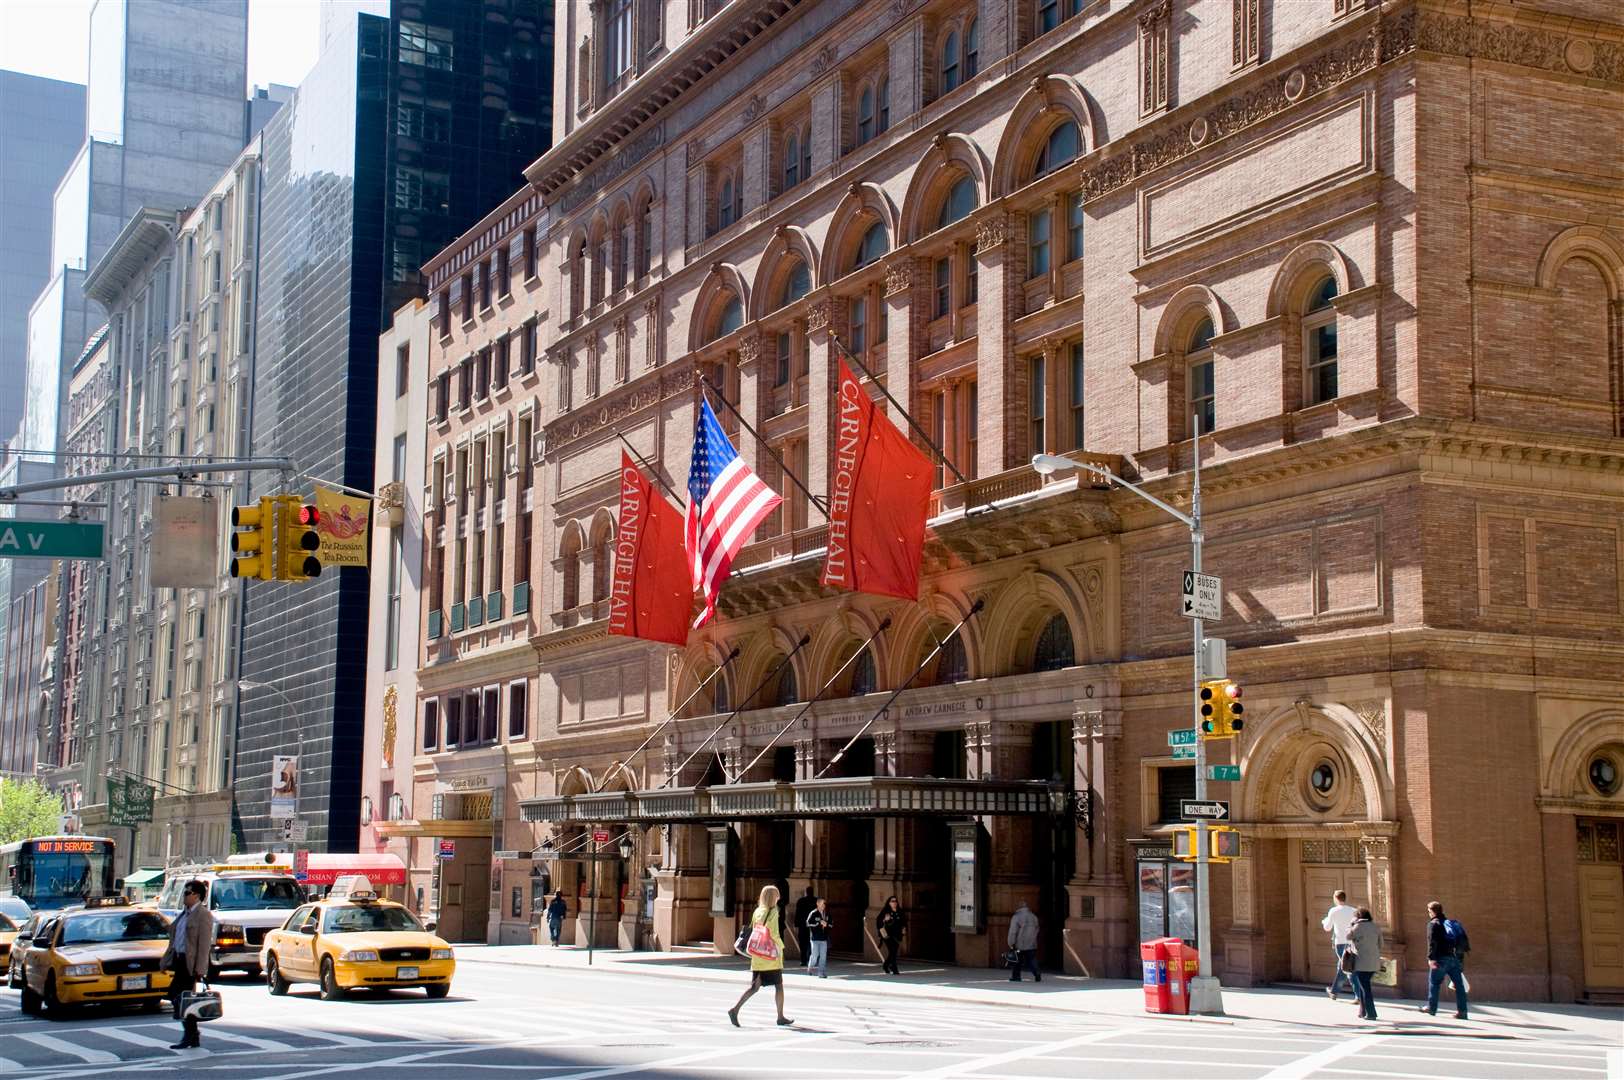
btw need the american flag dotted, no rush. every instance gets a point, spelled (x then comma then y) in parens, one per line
(726, 501)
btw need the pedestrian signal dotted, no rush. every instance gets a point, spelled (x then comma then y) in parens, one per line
(1185, 843)
(1224, 844)
(251, 543)
(299, 539)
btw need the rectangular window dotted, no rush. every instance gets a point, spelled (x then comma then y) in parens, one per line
(468, 297)
(527, 348)
(944, 287)
(1038, 401)
(531, 240)
(490, 714)
(442, 397)
(521, 555)
(1174, 783)
(938, 404)
(783, 359)
(482, 374)
(391, 654)
(403, 369)
(499, 361)
(485, 285)
(1048, 15)
(859, 324)
(476, 584)
(1037, 239)
(459, 572)
(518, 709)
(1203, 400)
(527, 467)
(1074, 228)
(504, 283)
(1077, 395)
(431, 724)
(1321, 356)
(453, 721)
(973, 408)
(972, 280)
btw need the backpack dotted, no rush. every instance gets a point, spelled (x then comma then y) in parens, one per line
(1457, 936)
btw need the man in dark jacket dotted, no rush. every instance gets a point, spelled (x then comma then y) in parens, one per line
(191, 936)
(1442, 962)
(803, 908)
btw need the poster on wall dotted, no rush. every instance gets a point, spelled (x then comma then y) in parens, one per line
(718, 872)
(966, 880)
(284, 785)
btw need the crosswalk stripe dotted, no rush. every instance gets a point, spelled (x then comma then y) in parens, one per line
(258, 1044)
(133, 1038)
(63, 1046)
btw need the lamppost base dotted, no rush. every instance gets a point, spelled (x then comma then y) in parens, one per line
(1206, 998)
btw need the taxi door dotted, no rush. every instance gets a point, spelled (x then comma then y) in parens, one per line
(37, 964)
(296, 947)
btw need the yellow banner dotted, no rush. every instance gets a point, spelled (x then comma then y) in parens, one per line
(343, 527)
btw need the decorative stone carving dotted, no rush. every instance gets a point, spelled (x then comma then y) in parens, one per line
(695, 151)
(1296, 83)
(824, 61)
(818, 316)
(651, 332)
(749, 351)
(391, 496)
(1373, 714)
(1580, 56)
(1199, 129)
(753, 108)
(899, 277)
(1155, 12)
(991, 232)
(633, 399)
(391, 704)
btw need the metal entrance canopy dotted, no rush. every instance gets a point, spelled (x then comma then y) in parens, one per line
(863, 796)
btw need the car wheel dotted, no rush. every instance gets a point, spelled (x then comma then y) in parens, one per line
(273, 977)
(437, 990)
(330, 990)
(31, 1003)
(53, 1005)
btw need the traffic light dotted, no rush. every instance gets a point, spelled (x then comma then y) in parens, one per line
(1220, 709)
(299, 541)
(252, 540)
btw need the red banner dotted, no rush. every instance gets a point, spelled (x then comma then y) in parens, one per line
(879, 497)
(653, 591)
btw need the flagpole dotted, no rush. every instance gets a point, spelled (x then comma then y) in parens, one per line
(822, 509)
(977, 606)
(732, 656)
(681, 502)
(849, 355)
(806, 639)
(814, 699)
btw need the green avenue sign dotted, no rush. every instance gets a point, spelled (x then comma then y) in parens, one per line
(51, 539)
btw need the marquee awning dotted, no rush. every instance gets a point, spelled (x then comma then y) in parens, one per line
(864, 796)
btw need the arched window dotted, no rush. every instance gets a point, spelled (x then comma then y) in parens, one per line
(724, 202)
(950, 62)
(884, 120)
(570, 559)
(873, 246)
(972, 50)
(621, 261)
(1060, 149)
(600, 568)
(731, 318)
(721, 694)
(961, 199)
(1054, 650)
(863, 677)
(578, 272)
(1319, 343)
(600, 264)
(796, 285)
(645, 245)
(788, 691)
(952, 664)
(792, 160)
(865, 115)
(1201, 385)
(806, 152)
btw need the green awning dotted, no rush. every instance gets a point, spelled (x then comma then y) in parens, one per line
(144, 876)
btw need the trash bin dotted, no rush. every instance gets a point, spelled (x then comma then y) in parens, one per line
(1153, 958)
(1183, 964)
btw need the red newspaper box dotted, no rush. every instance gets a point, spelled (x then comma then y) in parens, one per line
(1183, 964)
(1153, 958)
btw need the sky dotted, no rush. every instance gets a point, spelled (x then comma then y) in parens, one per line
(51, 38)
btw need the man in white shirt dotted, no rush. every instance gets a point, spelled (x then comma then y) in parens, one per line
(1338, 920)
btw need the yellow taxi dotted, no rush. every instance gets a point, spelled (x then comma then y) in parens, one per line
(20, 942)
(105, 953)
(8, 934)
(353, 940)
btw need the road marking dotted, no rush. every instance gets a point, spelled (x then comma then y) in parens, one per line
(63, 1046)
(976, 1064)
(775, 1046)
(133, 1038)
(1305, 1067)
(249, 1040)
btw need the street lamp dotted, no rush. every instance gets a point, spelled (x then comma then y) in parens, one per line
(1205, 995)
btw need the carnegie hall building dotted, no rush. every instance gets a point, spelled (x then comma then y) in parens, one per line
(1372, 252)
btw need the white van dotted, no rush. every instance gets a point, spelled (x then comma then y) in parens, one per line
(247, 901)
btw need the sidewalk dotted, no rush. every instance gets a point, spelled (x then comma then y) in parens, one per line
(1071, 993)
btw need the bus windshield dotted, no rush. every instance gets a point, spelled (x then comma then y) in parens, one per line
(55, 873)
(250, 894)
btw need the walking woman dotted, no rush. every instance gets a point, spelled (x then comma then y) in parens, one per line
(766, 951)
(891, 925)
(1365, 939)
(556, 911)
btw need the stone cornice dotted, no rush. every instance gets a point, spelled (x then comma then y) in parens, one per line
(509, 660)
(647, 390)
(1381, 37)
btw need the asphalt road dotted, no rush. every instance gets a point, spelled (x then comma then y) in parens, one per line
(513, 1021)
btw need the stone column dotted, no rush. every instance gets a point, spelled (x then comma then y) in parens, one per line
(998, 403)
(904, 334)
(824, 316)
(1100, 927)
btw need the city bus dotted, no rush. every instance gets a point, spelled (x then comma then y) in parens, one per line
(51, 872)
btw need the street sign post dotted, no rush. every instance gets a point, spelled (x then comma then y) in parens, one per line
(1181, 737)
(1203, 596)
(1197, 809)
(51, 539)
(1231, 773)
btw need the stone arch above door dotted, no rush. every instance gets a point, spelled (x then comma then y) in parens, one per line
(1278, 768)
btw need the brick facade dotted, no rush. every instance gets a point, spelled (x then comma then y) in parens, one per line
(1419, 544)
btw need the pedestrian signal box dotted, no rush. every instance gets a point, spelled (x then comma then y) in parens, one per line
(297, 523)
(1223, 843)
(251, 544)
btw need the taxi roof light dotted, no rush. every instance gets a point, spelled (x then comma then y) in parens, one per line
(353, 887)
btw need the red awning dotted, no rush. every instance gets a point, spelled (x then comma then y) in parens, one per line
(328, 867)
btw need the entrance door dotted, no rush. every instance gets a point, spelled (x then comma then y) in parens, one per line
(1601, 904)
(1319, 883)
